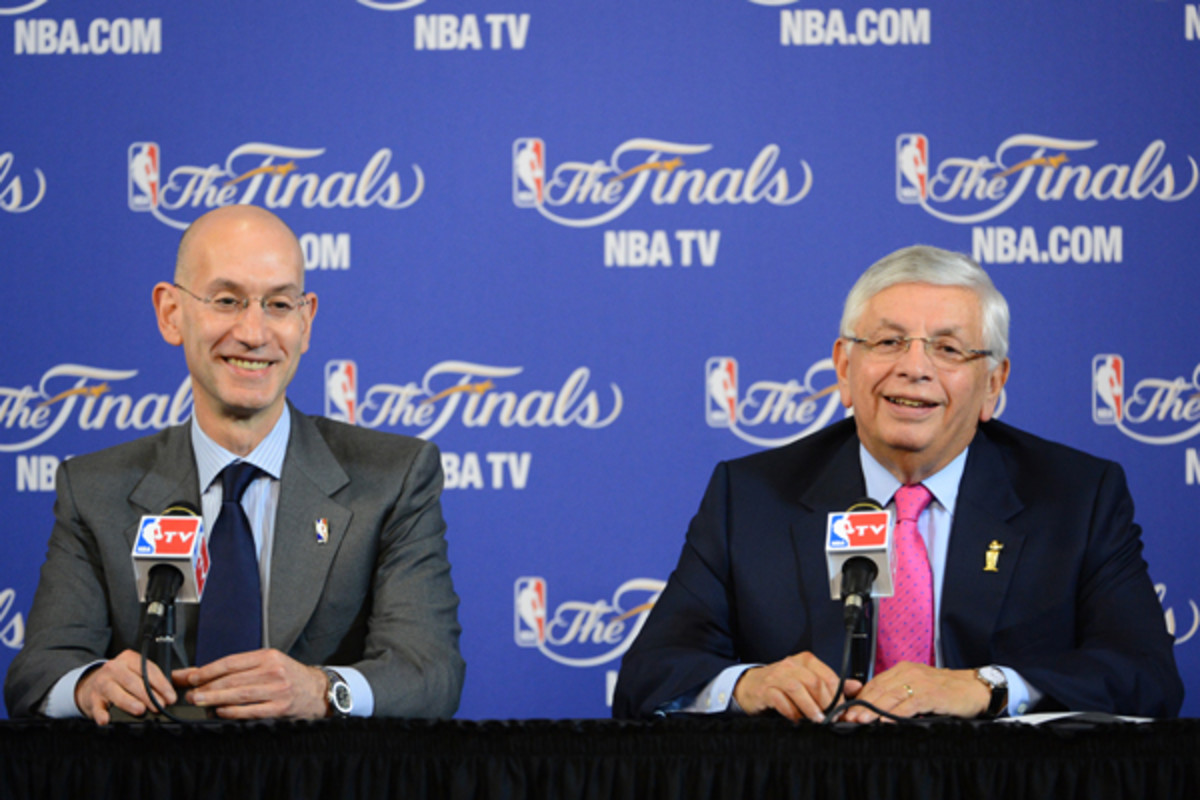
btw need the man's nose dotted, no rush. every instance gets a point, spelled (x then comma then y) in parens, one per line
(915, 362)
(250, 327)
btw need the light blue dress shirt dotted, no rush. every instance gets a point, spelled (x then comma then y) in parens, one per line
(934, 524)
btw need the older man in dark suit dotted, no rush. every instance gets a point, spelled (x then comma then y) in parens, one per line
(1020, 584)
(346, 605)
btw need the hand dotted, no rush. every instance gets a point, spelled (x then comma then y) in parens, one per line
(261, 684)
(798, 687)
(118, 682)
(908, 689)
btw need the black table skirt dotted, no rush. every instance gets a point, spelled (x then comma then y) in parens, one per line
(684, 758)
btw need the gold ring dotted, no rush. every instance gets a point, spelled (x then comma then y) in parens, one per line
(908, 689)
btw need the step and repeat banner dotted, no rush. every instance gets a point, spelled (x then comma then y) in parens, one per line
(592, 248)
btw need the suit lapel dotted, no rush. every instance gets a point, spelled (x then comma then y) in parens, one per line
(835, 489)
(971, 596)
(170, 479)
(299, 562)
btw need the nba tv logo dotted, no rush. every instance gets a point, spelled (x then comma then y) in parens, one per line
(144, 180)
(1108, 389)
(341, 391)
(529, 172)
(912, 168)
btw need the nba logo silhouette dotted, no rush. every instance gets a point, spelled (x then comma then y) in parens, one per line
(721, 392)
(529, 172)
(341, 391)
(143, 176)
(839, 531)
(1108, 389)
(912, 168)
(529, 611)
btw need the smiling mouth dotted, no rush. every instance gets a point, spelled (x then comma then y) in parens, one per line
(242, 363)
(907, 403)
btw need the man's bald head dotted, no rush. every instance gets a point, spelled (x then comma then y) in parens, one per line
(232, 221)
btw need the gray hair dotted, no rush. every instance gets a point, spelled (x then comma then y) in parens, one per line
(924, 264)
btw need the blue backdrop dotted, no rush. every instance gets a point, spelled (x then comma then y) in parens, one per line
(537, 227)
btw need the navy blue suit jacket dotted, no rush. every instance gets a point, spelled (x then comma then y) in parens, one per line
(1072, 607)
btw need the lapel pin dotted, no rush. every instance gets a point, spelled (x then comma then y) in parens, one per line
(993, 557)
(322, 527)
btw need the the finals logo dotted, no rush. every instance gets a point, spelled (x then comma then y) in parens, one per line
(792, 408)
(1154, 402)
(1051, 169)
(583, 194)
(270, 175)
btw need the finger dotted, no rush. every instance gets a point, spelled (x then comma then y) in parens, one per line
(823, 673)
(96, 707)
(237, 662)
(780, 701)
(241, 689)
(164, 692)
(183, 677)
(903, 701)
(859, 715)
(809, 705)
(130, 680)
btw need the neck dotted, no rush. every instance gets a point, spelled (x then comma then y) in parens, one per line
(238, 435)
(908, 470)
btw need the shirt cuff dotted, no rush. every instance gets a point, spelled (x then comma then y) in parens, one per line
(1021, 696)
(360, 690)
(717, 696)
(60, 700)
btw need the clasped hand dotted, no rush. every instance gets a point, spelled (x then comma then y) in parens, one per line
(802, 687)
(255, 685)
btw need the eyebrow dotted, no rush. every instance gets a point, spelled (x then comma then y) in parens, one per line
(950, 330)
(221, 284)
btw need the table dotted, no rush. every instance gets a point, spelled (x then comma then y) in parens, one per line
(693, 758)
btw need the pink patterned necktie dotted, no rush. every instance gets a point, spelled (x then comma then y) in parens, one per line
(906, 619)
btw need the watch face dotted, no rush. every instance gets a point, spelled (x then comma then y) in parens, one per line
(341, 697)
(993, 675)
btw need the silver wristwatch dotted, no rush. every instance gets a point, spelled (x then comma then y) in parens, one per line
(338, 694)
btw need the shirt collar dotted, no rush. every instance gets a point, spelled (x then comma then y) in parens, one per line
(943, 484)
(211, 457)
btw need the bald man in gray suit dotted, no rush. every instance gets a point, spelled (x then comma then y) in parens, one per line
(359, 614)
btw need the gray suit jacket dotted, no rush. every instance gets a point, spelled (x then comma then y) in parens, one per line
(377, 596)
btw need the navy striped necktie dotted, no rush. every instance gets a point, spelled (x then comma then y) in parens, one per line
(230, 618)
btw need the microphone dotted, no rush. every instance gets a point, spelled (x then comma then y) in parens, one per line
(858, 553)
(170, 562)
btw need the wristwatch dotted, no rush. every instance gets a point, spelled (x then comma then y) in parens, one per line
(337, 694)
(993, 678)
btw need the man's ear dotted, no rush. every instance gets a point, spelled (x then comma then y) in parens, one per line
(996, 380)
(167, 310)
(841, 364)
(310, 311)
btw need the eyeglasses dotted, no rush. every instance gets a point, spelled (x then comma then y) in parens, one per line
(944, 351)
(277, 306)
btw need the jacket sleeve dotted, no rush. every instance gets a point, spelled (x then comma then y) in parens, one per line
(688, 638)
(1119, 658)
